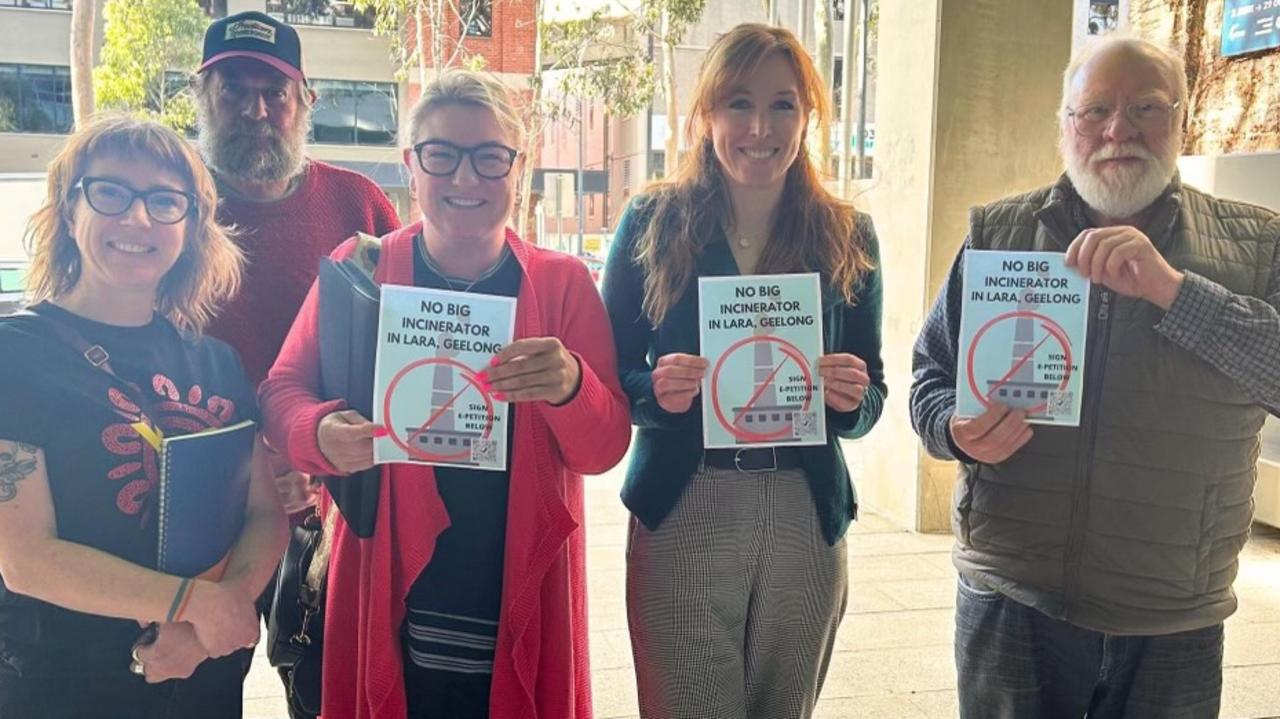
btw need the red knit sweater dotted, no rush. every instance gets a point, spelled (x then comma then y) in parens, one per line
(283, 242)
(540, 668)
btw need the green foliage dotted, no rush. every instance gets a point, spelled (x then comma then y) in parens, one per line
(607, 58)
(593, 62)
(148, 49)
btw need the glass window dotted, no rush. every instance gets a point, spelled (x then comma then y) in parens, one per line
(334, 13)
(35, 98)
(354, 113)
(477, 17)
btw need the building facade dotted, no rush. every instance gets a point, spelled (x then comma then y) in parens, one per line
(355, 123)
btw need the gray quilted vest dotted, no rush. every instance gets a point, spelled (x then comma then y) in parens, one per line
(1131, 523)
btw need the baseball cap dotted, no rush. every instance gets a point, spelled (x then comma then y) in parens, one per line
(256, 35)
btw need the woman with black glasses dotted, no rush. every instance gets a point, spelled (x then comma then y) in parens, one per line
(128, 265)
(469, 598)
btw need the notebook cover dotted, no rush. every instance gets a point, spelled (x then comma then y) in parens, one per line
(204, 488)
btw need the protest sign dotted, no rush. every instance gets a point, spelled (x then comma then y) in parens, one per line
(428, 397)
(762, 335)
(1022, 335)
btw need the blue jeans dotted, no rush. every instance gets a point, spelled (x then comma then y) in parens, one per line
(1013, 662)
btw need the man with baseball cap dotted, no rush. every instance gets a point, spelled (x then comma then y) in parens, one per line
(253, 114)
(258, 36)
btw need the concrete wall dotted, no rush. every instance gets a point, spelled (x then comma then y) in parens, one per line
(960, 83)
(899, 199)
(1235, 103)
(40, 37)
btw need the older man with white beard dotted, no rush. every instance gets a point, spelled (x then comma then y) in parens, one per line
(1096, 563)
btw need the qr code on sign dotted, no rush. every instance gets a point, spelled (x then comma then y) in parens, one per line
(1060, 403)
(484, 451)
(804, 425)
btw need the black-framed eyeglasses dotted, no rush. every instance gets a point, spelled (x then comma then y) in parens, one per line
(441, 158)
(1148, 116)
(112, 198)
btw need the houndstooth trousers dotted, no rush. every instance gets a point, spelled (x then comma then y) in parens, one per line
(734, 601)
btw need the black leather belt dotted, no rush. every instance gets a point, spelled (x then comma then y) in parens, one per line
(753, 459)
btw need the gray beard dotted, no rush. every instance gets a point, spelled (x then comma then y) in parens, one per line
(252, 151)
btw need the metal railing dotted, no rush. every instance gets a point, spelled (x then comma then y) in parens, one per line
(37, 4)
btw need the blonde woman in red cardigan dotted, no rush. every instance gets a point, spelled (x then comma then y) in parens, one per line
(469, 600)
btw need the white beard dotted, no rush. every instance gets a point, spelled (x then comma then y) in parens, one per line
(1120, 192)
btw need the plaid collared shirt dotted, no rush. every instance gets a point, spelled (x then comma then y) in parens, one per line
(1237, 334)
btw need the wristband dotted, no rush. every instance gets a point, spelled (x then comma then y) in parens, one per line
(180, 600)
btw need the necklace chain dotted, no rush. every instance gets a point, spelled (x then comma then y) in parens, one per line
(467, 288)
(744, 241)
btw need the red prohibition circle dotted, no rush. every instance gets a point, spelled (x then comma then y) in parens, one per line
(790, 351)
(468, 375)
(1050, 326)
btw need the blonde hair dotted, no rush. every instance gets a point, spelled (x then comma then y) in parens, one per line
(818, 227)
(1173, 67)
(205, 274)
(456, 86)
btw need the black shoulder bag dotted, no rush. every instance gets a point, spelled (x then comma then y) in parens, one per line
(295, 627)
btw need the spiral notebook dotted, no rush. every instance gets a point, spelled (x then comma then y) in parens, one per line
(204, 489)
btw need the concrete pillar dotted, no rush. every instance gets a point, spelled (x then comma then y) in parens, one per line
(967, 92)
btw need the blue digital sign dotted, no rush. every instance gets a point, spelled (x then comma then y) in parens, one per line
(1250, 26)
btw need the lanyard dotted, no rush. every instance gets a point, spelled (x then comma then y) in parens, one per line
(98, 356)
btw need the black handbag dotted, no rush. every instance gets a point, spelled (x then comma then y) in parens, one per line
(295, 627)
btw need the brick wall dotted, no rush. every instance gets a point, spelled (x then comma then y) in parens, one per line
(510, 48)
(508, 51)
(1235, 103)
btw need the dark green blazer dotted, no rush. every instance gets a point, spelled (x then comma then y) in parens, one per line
(668, 447)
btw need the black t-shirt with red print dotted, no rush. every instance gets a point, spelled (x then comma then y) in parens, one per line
(102, 473)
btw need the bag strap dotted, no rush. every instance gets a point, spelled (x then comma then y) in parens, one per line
(97, 356)
(318, 569)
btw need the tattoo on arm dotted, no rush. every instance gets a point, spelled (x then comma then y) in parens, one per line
(17, 462)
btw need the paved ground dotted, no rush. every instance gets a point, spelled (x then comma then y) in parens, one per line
(893, 657)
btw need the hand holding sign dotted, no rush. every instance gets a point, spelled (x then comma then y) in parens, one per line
(533, 369)
(1023, 329)
(677, 380)
(433, 398)
(1124, 260)
(346, 440)
(992, 436)
(845, 379)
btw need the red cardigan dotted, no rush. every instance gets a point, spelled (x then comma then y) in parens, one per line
(540, 668)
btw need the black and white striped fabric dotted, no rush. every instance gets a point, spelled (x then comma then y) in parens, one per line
(450, 643)
(734, 601)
